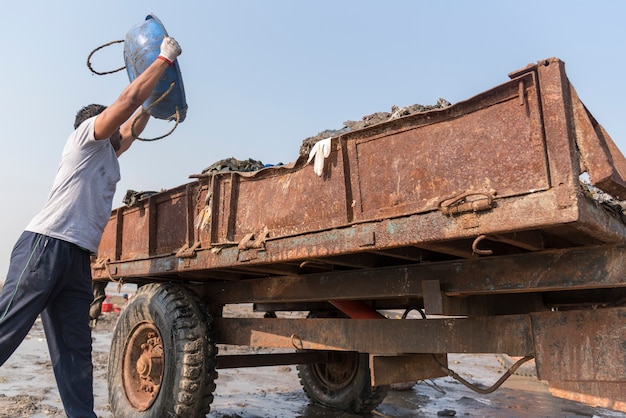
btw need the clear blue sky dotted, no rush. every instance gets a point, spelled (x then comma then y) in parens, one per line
(260, 76)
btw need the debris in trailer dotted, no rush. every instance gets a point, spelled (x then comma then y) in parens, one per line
(369, 120)
(234, 164)
(605, 200)
(132, 197)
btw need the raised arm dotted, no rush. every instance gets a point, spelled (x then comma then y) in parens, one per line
(137, 92)
(140, 119)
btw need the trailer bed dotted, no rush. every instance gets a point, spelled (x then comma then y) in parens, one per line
(498, 173)
(484, 216)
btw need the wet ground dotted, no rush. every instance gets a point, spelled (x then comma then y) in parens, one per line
(28, 389)
(244, 394)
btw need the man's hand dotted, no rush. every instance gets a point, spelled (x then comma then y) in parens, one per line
(169, 50)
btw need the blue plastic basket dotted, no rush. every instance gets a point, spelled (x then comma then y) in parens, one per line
(141, 47)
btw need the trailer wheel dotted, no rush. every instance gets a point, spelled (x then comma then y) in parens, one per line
(163, 356)
(343, 384)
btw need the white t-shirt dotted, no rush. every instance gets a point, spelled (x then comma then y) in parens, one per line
(79, 205)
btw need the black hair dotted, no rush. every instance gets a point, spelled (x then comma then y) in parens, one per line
(87, 112)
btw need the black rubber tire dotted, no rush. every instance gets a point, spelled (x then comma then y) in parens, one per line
(349, 392)
(188, 353)
(353, 393)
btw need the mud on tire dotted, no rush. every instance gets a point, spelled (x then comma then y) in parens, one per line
(163, 356)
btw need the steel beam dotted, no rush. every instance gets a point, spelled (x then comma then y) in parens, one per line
(567, 269)
(509, 334)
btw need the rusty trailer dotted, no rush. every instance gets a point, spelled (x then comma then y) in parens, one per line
(482, 217)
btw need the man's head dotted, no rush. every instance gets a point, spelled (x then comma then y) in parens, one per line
(91, 111)
(87, 112)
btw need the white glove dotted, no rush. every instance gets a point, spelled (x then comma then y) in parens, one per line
(320, 151)
(169, 50)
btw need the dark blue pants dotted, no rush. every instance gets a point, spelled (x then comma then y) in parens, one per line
(52, 277)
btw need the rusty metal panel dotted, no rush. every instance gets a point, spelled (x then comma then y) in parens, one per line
(581, 345)
(601, 158)
(135, 231)
(386, 370)
(282, 201)
(609, 395)
(569, 118)
(496, 144)
(558, 125)
(222, 207)
(509, 334)
(170, 221)
(153, 226)
(108, 243)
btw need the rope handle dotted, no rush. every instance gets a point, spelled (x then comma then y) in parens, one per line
(97, 49)
(176, 116)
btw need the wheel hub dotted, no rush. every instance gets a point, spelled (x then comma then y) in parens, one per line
(142, 368)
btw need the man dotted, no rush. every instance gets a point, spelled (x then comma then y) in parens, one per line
(50, 271)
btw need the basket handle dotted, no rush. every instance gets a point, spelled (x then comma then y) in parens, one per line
(176, 116)
(97, 49)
